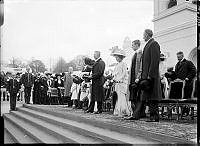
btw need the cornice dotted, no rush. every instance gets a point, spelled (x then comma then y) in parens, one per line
(176, 9)
(176, 28)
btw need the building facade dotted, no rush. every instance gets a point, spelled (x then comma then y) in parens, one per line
(175, 28)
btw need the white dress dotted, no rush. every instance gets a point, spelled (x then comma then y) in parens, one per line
(121, 74)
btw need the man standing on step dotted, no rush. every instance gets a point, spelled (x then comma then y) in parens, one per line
(150, 72)
(97, 84)
(13, 86)
(27, 80)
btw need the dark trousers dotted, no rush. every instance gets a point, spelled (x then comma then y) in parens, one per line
(153, 109)
(139, 109)
(13, 97)
(99, 106)
(27, 91)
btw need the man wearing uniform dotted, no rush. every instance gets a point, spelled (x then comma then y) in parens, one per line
(27, 80)
(13, 86)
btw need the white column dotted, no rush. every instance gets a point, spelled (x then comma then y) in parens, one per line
(156, 8)
(163, 5)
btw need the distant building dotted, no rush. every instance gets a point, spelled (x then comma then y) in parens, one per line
(175, 28)
(127, 47)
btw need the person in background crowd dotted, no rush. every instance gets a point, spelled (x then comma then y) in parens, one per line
(13, 86)
(27, 80)
(138, 108)
(3, 85)
(68, 80)
(185, 70)
(18, 79)
(59, 83)
(120, 78)
(97, 84)
(75, 88)
(50, 84)
(163, 70)
(36, 89)
(150, 72)
(8, 76)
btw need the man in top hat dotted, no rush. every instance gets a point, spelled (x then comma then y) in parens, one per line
(27, 80)
(13, 86)
(150, 70)
(97, 83)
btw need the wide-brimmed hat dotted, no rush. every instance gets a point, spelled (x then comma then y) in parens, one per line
(118, 52)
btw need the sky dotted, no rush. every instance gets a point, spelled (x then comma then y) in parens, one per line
(48, 29)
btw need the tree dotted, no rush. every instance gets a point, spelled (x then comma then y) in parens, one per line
(37, 66)
(15, 63)
(61, 66)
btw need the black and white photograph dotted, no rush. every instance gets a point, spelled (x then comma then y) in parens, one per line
(108, 72)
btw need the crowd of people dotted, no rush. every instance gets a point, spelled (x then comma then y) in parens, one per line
(146, 82)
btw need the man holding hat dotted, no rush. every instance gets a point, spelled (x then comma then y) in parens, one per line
(150, 71)
(97, 84)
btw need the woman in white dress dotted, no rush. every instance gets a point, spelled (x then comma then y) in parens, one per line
(120, 74)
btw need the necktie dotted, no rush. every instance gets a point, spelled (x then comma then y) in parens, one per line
(28, 77)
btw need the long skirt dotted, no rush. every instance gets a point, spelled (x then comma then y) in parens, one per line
(121, 106)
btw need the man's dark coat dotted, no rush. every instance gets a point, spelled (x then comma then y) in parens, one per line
(98, 81)
(150, 68)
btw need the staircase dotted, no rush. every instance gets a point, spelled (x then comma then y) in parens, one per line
(32, 124)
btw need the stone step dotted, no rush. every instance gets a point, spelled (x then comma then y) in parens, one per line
(8, 137)
(111, 125)
(67, 133)
(15, 132)
(98, 134)
(28, 130)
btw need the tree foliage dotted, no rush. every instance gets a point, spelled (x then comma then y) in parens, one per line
(37, 66)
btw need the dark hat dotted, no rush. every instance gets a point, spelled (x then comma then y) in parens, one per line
(58, 74)
(48, 73)
(18, 73)
(145, 84)
(133, 86)
(77, 79)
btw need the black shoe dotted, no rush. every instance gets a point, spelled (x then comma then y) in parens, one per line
(131, 118)
(153, 120)
(88, 111)
(98, 112)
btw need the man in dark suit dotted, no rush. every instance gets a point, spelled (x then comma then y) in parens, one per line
(150, 70)
(185, 70)
(13, 86)
(27, 80)
(97, 84)
(138, 109)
